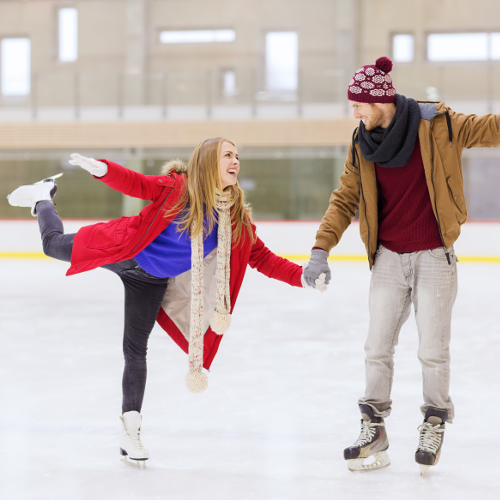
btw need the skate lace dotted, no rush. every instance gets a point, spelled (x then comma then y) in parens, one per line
(135, 438)
(368, 430)
(430, 437)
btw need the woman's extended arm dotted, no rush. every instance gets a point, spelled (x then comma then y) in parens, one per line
(124, 180)
(272, 266)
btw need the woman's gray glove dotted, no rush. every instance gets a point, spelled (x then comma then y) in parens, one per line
(318, 264)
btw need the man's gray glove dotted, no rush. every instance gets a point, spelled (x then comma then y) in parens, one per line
(318, 264)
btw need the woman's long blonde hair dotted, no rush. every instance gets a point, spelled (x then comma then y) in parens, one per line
(203, 180)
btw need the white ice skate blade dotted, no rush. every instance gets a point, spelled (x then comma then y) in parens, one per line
(136, 464)
(381, 460)
(424, 469)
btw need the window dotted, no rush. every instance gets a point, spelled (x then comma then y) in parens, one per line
(68, 35)
(495, 46)
(403, 48)
(449, 47)
(228, 83)
(282, 61)
(197, 36)
(15, 69)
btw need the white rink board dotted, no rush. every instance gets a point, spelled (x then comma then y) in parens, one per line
(284, 238)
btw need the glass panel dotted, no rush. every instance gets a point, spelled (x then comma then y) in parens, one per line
(68, 35)
(197, 36)
(281, 183)
(282, 60)
(16, 66)
(403, 48)
(481, 177)
(457, 47)
(495, 46)
(229, 82)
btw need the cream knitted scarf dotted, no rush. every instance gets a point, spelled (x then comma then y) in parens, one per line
(196, 380)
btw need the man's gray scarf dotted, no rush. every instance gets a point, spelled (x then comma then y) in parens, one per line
(393, 146)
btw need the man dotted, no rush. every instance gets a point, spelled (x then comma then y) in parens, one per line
(404, 174)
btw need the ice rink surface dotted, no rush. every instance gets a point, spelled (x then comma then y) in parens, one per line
(279, 409)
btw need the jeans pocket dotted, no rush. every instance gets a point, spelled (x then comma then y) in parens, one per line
(440, 253)
(380, 249)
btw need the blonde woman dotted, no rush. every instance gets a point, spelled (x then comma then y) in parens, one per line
(182, 260)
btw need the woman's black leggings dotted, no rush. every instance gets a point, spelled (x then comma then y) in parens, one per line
(143, 296)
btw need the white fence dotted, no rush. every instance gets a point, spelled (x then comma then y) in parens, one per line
(480, 241)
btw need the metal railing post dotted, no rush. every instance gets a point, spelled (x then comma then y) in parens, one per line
(164, 94)
(208, 86)
(299, 94)
(34, 103)
(491, 91)
(76, 91)
(120, 84)
(253, 89)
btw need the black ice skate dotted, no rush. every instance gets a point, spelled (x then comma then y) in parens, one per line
(30, 195)
(372, 442)
(431, 439)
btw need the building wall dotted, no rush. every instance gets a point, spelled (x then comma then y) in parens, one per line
(122, 66)
(380, 19)
(121, 37)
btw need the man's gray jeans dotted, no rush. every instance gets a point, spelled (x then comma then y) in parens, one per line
(427, 280)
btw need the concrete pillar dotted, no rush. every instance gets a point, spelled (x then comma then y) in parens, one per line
(135, 63)
(133, 86)
(133, 161)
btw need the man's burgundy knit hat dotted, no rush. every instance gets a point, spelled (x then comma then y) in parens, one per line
(372, 83)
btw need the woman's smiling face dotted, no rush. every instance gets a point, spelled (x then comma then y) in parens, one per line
(229, 164)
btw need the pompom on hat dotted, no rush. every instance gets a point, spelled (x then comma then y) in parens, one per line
(372, 83)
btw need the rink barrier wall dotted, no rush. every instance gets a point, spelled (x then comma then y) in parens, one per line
(292, 257)
(479, 242)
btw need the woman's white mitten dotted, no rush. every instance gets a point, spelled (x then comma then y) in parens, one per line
(97, 168)
(319, 282)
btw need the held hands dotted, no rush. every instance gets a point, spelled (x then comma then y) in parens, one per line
(97, 168)
(316, 272)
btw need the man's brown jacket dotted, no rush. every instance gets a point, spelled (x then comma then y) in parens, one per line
(443, 134)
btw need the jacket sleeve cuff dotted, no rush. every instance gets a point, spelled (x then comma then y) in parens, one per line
(323, 244)
(110, 174)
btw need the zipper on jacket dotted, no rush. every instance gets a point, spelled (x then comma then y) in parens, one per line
(448, 124)
(354, 155)
(432, 179)
(154, 218)
(364, 202)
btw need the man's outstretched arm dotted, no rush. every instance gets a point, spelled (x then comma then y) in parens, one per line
(344, 202)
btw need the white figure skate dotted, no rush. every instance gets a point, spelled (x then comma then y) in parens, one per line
(131, 448)
(31, 194)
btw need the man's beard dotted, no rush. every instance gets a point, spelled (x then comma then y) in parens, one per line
(376, 119)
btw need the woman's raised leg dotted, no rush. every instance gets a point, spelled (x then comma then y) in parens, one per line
(55, 243)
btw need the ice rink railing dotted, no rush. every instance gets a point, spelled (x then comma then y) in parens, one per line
(118, 94)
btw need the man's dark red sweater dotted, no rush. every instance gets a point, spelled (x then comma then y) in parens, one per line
(406, 222)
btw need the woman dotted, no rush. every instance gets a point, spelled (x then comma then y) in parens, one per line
(176, 270)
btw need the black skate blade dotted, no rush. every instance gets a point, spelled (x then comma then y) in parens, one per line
(125, 454)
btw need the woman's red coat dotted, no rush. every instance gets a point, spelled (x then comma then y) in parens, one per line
(122, 239)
